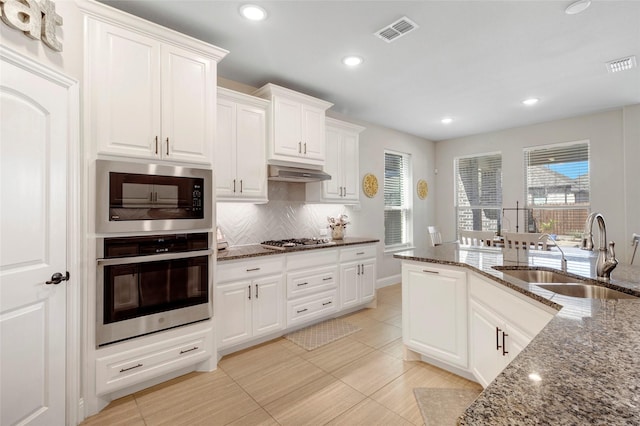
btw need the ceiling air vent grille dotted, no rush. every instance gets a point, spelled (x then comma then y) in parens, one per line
(396, 30)
(621, 64)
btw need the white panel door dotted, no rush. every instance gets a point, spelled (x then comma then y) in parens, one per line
(268, 305)
(313, 139)
(233, 310)
(287, 127)
(251, 156)
(332, 165)
(225, 148)
(349, 282)
(367, 281)
(188, 96)
(33, 182)
(485, 340)
(350, 166)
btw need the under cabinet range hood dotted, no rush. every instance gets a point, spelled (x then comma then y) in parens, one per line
(294, 174)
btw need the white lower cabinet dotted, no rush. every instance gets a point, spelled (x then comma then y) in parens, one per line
(357, 275)
(501, 326)
(125, 365)
(251, 307)
(434, 312)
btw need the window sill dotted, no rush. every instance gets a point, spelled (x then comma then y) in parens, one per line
(392, 250)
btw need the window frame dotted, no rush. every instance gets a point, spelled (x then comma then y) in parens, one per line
(564, 207)
(407, 205)
(499, 196)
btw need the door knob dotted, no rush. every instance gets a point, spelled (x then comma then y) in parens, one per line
(57, 278)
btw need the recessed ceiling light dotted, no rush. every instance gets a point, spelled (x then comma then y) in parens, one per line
(253, 12)
(530, 101)
(352, 61)
(577, 7)
(447, 120)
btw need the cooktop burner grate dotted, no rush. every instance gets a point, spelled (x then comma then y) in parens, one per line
(294, 243)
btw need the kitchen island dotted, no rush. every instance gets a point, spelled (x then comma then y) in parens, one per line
(582, 368)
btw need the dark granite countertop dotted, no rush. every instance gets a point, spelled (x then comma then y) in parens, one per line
(588, 355)
(255, 250)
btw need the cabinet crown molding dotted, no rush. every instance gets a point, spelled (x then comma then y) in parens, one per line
(269, 90)
(224, 93)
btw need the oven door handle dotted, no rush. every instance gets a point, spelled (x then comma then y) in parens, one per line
(154, 257)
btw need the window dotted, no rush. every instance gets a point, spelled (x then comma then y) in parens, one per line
(557, 190)
(397, 200)
(479, 192)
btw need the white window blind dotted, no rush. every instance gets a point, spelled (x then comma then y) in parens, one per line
(478, 192)
(397, 202)
(557, 189)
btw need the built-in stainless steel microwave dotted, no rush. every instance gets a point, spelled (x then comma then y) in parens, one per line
(136, 197)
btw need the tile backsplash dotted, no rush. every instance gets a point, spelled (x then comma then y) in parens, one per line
(286, 215)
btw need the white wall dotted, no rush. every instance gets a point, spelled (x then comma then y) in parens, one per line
(613, 146)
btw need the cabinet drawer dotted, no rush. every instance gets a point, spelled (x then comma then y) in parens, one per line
(249, 268)
(124, 369)
(311, 307)
(311, 281)
(318, 257)
(528, 316)
(357, 253)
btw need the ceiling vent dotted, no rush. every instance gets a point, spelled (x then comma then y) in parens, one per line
(621, 64)
(396, 30)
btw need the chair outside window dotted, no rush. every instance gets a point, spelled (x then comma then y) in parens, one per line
(476, 238)
(436, 237)
(525, 241)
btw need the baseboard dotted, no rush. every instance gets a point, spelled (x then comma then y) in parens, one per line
(387, 281)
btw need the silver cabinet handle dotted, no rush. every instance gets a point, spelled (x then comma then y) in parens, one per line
(301, 284)
(498, 339)
(430, 272)
(327, 279)
(241, 186)
(249, 288)
(256, 291)
(234, 186)
(326, 303)
(167, 147)
(156, 145)
(302, 310)
(299, 147)
(305, 147)
(504, 346)
(195, 348)
(130, 368)
(253, 269)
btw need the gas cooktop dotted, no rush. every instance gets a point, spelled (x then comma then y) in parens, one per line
(296, 243)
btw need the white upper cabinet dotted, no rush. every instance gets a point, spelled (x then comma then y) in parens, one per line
(342, 163)
(151, 91)
(296, 126)
(240, 149)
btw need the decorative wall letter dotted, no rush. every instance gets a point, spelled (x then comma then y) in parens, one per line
(38, 20)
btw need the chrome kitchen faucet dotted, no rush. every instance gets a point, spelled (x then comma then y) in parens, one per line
(606, 256)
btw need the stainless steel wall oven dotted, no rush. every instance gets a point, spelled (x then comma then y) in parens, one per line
(152, 282)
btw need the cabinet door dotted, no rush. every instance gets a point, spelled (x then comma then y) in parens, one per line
(233, 312)
(367, 281)
(435, 313)
(332, 189)
(515, 341)
(125, 91)
(349, 285)
(225, 148)
(268, 305)
(486, 340)
(313, 138)
(287, 127)
(350, 170)
(188, 96)
(251, 161)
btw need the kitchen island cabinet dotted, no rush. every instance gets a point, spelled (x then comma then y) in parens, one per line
(152, 91)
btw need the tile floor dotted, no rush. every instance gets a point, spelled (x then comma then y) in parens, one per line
(360, 379)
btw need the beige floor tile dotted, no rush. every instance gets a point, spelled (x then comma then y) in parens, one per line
(123, 411)
(337, 354)
(290, 346)
(315, 403)
(196, 398)
(398, 395)
(361, 319)
(395, 321)
(250, 361)
(384, 312)
(258, 417)
(369, 413)
(378, 335)
(371, 372)
(280, 378)
(394, 348)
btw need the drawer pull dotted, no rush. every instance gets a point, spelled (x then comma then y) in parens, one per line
(327, 279)
(195, 348)
(253, 269)
(430, 272)
(498, 339)
(302, 310)
(326, 303)
(301, 284)
(504, 346)
(130, 368)
(359, 253)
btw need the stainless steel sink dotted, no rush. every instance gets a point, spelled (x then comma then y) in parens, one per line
(586, 291)
(536, 276)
